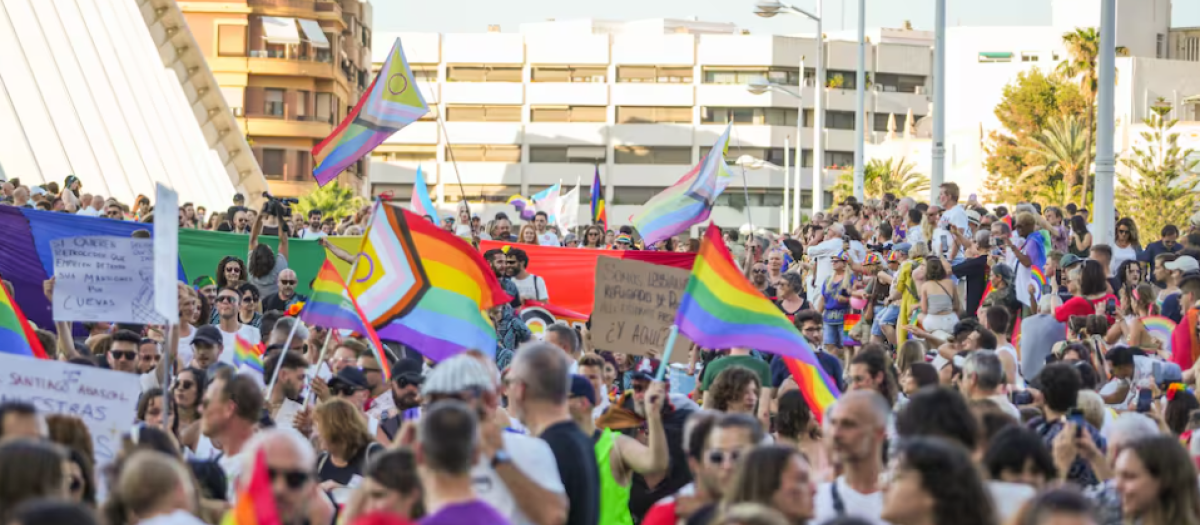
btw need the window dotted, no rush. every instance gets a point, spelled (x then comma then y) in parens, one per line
(302, 105)
(775, 156)
(880, 122)
(406, 153)
(510, 153)
(833, 119)
(634, 195)
(832, 158)
(758, 197)
(900, 83)
(483, 114)
(570, 74)
(324, 107)
(274, 102)
(483, 74)
(755, 116)
(231, 40)
(662, 155)
(842, 79)
(653, 114)
(568, 114)
(425, 72)
(997, 56)
(655, 74)
(273, 163)
(1160, 46)
(1030, 56)
(733, 153)
(567, 154)
(325, 54)
(481, 192)
(788, 76)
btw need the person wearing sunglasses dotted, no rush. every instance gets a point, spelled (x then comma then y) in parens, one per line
(290, 459)
(351, 384)
(228, 321)
(379, 400)
(286, 295)
(732, 436)
(123, 356)
(405, 403)
(248, 310)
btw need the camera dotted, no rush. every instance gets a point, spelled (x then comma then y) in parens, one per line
(278, 207)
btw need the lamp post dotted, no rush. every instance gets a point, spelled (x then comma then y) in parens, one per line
(768, 9)
(938, 173)
(860, 102)
(1102, 206)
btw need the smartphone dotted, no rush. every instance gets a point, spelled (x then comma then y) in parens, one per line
(1022, 397)
(1075, 415)
(945, 245)
(1110, 308)
(1058, 276)
(1145, 398)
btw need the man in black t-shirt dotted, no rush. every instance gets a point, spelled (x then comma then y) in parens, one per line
(537, 394)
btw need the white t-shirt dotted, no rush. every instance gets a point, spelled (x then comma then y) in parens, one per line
(312, 235)
(1009, 497)
(185, 351)
(248, 332)
(232, 466)
(1120, 255)
(178, 517)
(532, 286)
(1007, 348)
(533, 458)
(865, 506)
(957, 217)
(88, 211)
(548, 239)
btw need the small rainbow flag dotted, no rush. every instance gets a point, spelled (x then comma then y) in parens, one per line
(1160, 328)
(333, 306)
(599, 214)
(16, 335)
(420, 203)
(690, 200)
(256, 499)
(1039, 278)
(849, 321)
(247, 354)
(721, 309)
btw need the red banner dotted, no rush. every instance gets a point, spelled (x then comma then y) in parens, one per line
(570, 273)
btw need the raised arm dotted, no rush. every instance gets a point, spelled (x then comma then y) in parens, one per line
(655, 458)
(283, 239)
(255, 231)
(335, 250)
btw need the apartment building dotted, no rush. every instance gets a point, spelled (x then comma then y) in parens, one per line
(640, 101)
(290, 71)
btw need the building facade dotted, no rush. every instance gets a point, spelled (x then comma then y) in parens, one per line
(640, 102)
(290, 71)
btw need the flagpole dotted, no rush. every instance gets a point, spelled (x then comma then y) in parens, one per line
(279, 364)
(450, 151)
(172, 352)
(745, 184)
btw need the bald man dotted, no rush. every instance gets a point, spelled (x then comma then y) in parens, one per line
(287, 295)
(856, 432)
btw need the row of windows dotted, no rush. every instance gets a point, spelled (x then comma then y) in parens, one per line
(662, 75)
(834, 119)
(622, 195)
(653, 155)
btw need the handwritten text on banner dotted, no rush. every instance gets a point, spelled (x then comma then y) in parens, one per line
(104, 278)
(635, 306)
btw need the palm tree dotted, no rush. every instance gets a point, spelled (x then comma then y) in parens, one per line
(334, 200)
(1063, 152)
(1083, 44)
(895, 176)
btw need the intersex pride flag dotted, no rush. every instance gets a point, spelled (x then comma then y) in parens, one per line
(570, 273)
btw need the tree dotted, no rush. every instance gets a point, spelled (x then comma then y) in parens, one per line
(1026, 107)
(334, 200)
(879, 177)
(1062, 154)
(1163, 191)
(1083, 46)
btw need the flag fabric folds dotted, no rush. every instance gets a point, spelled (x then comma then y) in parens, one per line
(256, 500)
(547, 201)
(689, 201)
(568, 209)
(1036, 246)
(248, 355)
(424, 287)
(392, 102)
(421, 204)
(599, 214)
(332, 306)
(721, 309)
(16, 335)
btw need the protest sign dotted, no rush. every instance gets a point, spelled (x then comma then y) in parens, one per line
(166, 253)
(104, 278)
(635, 306)
(105, 400)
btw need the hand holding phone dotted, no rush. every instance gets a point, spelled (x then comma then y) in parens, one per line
(1144, 400)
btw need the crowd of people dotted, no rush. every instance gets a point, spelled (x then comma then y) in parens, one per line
(994, 366)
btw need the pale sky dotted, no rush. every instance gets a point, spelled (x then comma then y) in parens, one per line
(471, 16)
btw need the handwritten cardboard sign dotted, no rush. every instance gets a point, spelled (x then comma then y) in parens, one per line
(105, 400)
(166, 253)
(635, 305)
(104, 278)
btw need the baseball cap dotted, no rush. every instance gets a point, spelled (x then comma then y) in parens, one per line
(581, 387)
(903, 247)
(973, 217)
(209, 334)
(1069, 260)
(352, 377)
(1184, 264)
(461, 372)
(408, 370)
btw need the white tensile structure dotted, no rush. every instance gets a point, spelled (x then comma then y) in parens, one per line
(116, 93)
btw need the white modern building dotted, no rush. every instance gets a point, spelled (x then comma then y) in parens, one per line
(982, 61)
(642, 100)
(116, 93)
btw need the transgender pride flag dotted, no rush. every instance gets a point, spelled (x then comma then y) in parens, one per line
(421, 204)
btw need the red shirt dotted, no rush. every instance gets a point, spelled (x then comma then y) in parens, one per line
(1181, 343)
(661, 514)
(1081, 306)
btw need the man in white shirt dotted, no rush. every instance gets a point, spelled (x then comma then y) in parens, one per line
(857, 429)
(529, 286)
(231, 327)
(545, 237)
(981, 379)
(954, 215)
(312, 230)
(90, 206)
(822, 254)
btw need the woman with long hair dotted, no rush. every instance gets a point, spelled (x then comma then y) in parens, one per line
(834, 302)
(939, 300)
(150, 407)
(934, 482)
(229, 270)
(1089, 285)
(593, 238)
(1137, 304)
(735, 391)
(1157, 483)
(348, 444)
(528, 234)
(1081, 238)
(250, 309)
(203, 313)
(775, 476)
(152, 488)
(187, 394)
(391, 484)
(30, 470)
(1127, 247)
(795, 427)
(265, 265)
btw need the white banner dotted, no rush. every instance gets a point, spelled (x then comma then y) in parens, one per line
(166, 253)
(104, 278)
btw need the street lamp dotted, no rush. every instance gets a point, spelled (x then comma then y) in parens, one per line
(758, 86)
(768, 9)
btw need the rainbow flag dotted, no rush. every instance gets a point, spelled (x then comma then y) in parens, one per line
(721, 309)
(599, 214)
(689, 201)
(16, 335)
(421, 204)
(383, 110)
(849, 321)
(424, 287)
(1036, 246)
(256, 500)
(332, 306)
(248, 354)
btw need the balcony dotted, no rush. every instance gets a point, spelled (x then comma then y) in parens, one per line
(272, 126)
(300, 8)
(329, 11)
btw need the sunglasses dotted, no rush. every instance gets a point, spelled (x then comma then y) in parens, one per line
(1122, 231)
(184, 385)
(758, 270)
(723, 457)
(127, 355)
(226, 299)
(249, 299)
(113, 214)
(287, 282)
(342, 390)
(294, 479)
(233, 269)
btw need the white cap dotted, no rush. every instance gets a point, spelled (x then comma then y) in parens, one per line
(456, 374)
(1184, 264)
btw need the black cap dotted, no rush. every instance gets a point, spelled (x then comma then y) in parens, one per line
(352, 377)
(581, 387)
(209, 334)
(408, 369)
